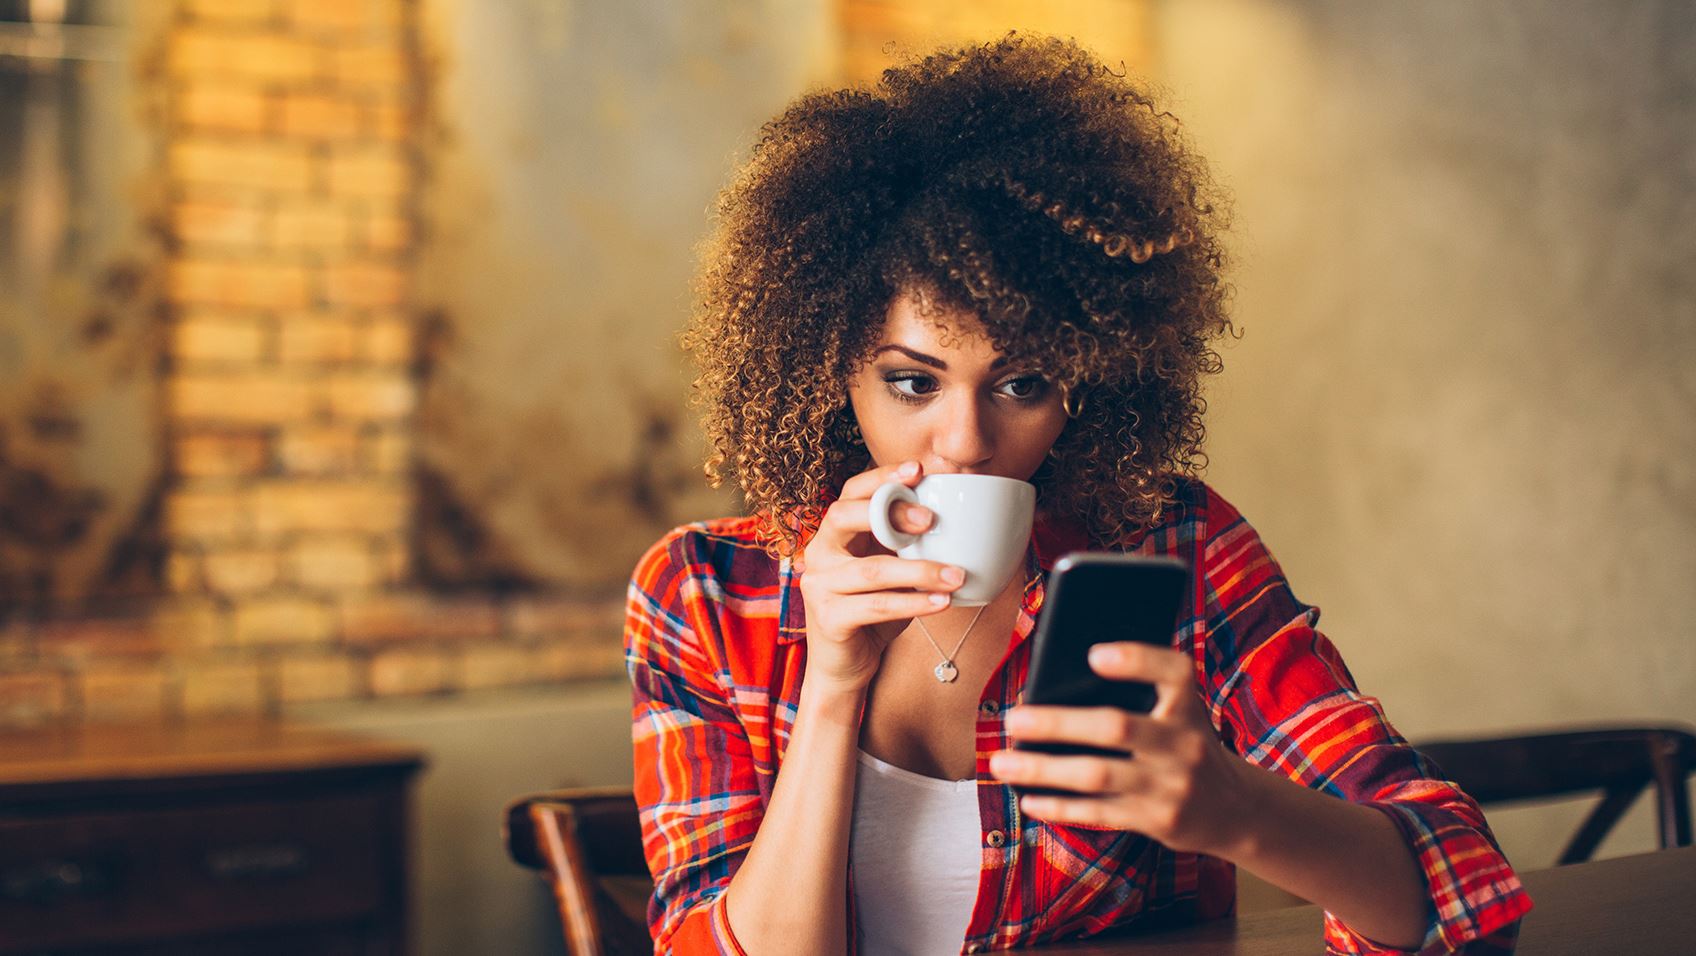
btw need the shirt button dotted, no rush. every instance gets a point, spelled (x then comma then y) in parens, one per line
(990, 708)
(997, 839)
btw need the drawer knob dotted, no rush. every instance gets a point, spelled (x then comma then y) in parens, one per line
(52, 880)
(256, 861)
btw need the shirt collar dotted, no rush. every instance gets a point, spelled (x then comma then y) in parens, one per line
(1053, 538)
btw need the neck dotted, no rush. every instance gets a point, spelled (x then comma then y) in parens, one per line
(955, 618)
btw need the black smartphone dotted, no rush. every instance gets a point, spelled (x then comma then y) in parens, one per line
(1091, 598)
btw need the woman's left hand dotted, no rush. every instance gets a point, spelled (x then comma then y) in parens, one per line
(1176, 782)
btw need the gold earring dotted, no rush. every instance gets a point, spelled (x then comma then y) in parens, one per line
(1072, 401)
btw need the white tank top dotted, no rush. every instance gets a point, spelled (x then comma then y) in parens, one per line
(915, 850)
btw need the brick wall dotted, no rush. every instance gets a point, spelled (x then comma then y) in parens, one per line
(291, 169)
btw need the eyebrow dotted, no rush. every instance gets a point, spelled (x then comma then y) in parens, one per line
(930, 360)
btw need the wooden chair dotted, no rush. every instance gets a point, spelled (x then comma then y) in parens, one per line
(587, 843)
(1618, 762)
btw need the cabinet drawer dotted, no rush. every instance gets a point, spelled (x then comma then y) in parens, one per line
(108, 878)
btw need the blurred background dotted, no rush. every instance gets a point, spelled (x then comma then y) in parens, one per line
(338, 375)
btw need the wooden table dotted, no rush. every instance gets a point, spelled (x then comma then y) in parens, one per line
(1643, 905)
(230, 837)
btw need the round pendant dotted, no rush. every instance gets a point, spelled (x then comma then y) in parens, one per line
(946, 672)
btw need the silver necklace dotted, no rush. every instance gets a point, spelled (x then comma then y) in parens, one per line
(946, 672)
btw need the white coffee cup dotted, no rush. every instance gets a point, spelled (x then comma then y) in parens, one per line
(983, 524)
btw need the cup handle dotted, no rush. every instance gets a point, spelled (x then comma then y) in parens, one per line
(882, 499)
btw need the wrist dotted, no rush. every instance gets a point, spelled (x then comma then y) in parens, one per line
(1255, 807)
(830, 698)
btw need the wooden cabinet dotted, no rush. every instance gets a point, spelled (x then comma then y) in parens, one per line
(240, 837)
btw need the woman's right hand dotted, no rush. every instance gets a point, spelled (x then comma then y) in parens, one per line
(858, 595)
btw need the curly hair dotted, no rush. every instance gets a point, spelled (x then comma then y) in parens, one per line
(1021, 180)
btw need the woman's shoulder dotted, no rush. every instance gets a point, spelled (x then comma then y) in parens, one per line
(709, 594)
(1202, 527)
(719, 548)
(1212, 510)
(1195, 514)
(1226, 547)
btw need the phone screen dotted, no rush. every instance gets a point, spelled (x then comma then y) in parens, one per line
(1091, 598)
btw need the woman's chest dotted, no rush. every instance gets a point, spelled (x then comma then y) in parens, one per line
(930, 726)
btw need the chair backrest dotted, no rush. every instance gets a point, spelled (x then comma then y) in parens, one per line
(1620, 762)
(588, 844)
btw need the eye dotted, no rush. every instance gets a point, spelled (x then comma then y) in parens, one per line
(910, 386)
(1024, 388)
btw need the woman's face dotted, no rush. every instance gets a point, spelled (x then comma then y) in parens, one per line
(944, 397)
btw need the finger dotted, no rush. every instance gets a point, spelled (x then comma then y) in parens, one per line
(1171, 673)
(1080, 810)
(909, 517)
(863, 484)
(880, 607)
(886, 572)
(849, 518)
(1081, 774)
(845, 520)
(1132, 660)
(1107, 727)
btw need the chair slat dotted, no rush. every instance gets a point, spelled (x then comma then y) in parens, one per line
(1617, 762)
(588, 844)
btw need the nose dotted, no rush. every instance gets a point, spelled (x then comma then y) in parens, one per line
(963, 440)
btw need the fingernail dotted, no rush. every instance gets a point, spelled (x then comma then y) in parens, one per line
(1006, 763)
(953, 575)
(940, 600)
(1103, 654)
(908, 469)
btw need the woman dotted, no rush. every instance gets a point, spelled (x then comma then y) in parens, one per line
(1001, 260)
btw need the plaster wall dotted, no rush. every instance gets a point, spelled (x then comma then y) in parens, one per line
(581, 147)
(80, 457)
(1460, 410)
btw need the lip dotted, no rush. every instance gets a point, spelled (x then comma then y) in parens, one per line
(974, 474)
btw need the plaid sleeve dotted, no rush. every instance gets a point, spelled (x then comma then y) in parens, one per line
(1284, 699)
(695, 783)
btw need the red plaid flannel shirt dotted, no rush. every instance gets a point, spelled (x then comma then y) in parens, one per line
(715, 651)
